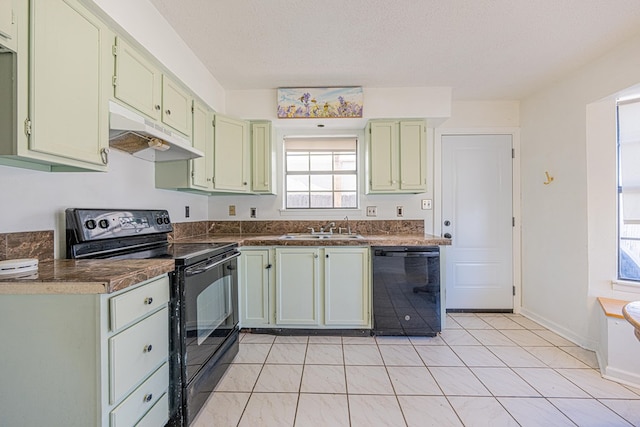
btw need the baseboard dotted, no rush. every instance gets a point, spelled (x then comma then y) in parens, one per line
(621, 376)
(582, 341)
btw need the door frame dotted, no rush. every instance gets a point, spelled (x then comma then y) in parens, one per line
(515, 197)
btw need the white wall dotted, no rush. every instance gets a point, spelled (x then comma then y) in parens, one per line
(34, 200)
(570, 222)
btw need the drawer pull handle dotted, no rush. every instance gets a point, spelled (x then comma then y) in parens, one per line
(148, 301)
(148, 397)
(148, 348)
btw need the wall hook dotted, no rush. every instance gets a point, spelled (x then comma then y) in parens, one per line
(549, 178)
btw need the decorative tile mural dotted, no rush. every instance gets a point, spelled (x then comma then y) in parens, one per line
(319, 102)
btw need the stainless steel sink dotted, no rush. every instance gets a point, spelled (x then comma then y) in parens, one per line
(309, 236)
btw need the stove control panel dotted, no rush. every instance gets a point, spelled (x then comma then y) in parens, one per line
(98, 224)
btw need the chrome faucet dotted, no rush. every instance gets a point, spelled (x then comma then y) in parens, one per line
(348, 227)
(330, 226)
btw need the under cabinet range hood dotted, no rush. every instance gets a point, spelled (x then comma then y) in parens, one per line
(135, 134)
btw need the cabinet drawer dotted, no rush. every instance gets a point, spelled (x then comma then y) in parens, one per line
(142, 399)
(136, 304)
(158, 415)
(136, 352)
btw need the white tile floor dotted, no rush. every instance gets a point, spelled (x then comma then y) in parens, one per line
(484, 369)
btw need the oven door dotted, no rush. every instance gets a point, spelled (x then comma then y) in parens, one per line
(210, 313)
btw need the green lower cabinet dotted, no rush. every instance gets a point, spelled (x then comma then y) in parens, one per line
(307, 287)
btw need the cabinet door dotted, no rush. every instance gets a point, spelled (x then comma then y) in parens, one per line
(6, 19)
(202, 167)
(383, 155)
(297, 286)
(231, 158)
(254, 287)
(176, 106)
(71, 69)
(261, 157)
(346, 286)
(138, 83)
(413, 156)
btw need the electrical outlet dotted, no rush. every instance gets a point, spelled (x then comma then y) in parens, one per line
(426, 204)
(254, 212)
(232, 210)
(372, 211)
(186, 211)
(399, 211)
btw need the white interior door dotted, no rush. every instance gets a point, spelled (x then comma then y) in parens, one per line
(477, 213)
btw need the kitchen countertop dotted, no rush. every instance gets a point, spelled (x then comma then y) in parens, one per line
(68, 276)
(367, 240)
(631, 312)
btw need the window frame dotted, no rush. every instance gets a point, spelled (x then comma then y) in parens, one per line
(333, 172)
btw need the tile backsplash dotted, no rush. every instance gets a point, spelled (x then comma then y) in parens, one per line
(192, 229)
(27, 244)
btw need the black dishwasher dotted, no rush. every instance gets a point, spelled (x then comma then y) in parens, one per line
(406, 290)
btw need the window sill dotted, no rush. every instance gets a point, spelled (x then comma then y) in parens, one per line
(626, 286)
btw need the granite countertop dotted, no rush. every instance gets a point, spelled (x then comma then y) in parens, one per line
(68, 276)
(631, 312)
(367, 240)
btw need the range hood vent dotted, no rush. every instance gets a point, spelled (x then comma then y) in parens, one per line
(137, 135)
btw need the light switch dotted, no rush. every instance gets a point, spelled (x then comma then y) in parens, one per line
(232, 210)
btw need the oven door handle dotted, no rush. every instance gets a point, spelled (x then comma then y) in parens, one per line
(192, 271)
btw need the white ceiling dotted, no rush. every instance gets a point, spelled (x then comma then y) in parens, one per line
(483, 49)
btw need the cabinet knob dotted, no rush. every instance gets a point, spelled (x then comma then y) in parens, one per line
(157, 107)
(147, 397)
(168, 112)
(268, 266)
(147, 348)
(315, 255)
(326, 256)
(244, 183)
(148, 301)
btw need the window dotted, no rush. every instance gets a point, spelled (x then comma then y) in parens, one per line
(629, 190)
(321, 173)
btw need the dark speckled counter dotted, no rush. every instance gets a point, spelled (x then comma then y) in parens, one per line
(367, 240)
(68, 276)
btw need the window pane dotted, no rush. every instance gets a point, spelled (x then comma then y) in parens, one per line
(321, 162)
(345, 182)
(297, 200)
(345, 200)
(321, 182)
(297, 183)
(321, 200)
(344, 162)
(297, 162)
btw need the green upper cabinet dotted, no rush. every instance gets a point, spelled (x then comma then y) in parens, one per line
(137, 81)
(69, 86)
(261, 158)
(397, 152)
(7, 25)
(202, 168)
(231, 155)
(176, 106)
(192, 175)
